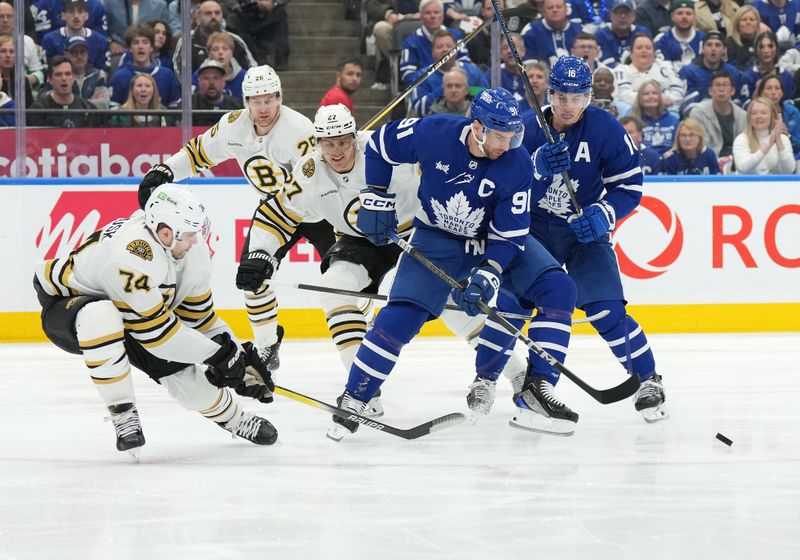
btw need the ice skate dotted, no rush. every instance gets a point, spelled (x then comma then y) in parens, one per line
(480, 398)
(270, 353)
(539, 410)
(126, 422)
(649, 400)
(374, 407)
(343, 426)
(250, 427)
(516, 378)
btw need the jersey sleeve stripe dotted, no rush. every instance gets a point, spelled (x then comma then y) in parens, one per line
(164, 336)
(146, 325)
(109, 380)
(196, 300)
(296, 218)
(191, 315)
(191, 159)
(283, 237)
(208, 323)
(508, 234)
(384, 155)
(623, 175)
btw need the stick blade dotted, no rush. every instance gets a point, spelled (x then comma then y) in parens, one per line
(619, 393)
(435, 425)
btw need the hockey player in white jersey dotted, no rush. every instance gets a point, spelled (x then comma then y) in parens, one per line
(267, 140)
(137, 292)
(330, 180)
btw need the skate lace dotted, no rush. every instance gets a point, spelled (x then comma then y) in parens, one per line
(482, 391)
(648, 389)
(125, 423)
(546, 390)
(247, 426)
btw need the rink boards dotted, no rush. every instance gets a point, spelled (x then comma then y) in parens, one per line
(696, 256)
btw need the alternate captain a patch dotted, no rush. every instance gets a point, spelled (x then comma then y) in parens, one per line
(141, 249)
(309, 168)
(234, 115)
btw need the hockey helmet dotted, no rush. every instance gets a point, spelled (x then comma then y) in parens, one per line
(333, 120)
(261, 80)
(496, 109)
(178, 208)
(570, 74)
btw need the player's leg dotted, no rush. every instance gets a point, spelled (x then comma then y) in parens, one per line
(193, 391)
(596, 273)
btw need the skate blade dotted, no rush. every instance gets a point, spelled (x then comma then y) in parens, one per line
(135, 454)
(336, 432)
(655, 414)
(543, 425)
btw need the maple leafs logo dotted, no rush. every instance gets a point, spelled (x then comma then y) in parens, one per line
(457, 216)
(556, 198)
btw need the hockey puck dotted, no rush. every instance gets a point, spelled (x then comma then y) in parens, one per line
(724, 440)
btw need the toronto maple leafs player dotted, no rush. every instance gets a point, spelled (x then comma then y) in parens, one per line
(473, 223)
(604, 166)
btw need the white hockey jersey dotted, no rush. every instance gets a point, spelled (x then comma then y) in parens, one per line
(266, 161)
(320, 193)
(166, 305)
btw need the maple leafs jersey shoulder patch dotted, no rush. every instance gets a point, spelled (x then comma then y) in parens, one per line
(141, 249)
(308, 168)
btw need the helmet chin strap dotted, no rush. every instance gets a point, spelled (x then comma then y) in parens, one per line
(482, 140)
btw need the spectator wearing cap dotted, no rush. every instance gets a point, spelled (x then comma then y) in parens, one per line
(654, 15)
(62, 79)
(720, 118)
(48, 16)
(90, 82)
(551, 37)
(425, 94)
(348, 80)
(697, 75)
(122, 14)
(783, 18)
(139, 41)
(417, 47)
(75, 15)
(34, 63)
(680, 44)
(715, 15)
(220, 48)
(209, 94)
(614, 39)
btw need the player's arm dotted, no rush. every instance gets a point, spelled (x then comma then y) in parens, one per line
(201, 152)
(511, 220)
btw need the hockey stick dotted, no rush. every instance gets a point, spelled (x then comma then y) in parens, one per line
(438, 64)
(534, 100)
(441, 423)
(603, 396)
(381, 297)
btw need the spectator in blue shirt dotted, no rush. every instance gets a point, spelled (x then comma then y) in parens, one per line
(47, 16)
(614, 39)
(651, 159)
(689, 154)
(510, 75)
(680, 44)
(697, 75)
(139, 41)
(551, 37)
(122, 14)
(659, 123)
(766, 63)
(771, 87)
(76, 14)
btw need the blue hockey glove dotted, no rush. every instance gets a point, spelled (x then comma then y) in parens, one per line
(596, 221)
(551, 159)
(377, 215)
(483, 283)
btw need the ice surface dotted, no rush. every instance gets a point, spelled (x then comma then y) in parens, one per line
(618, 489)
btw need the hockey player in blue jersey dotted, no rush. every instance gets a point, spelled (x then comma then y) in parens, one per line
(474, 223)
(607, 178)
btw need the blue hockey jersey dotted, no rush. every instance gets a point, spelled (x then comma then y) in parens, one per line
(750, 78)
(416, 53)
(659, 132)
(542, 43)
(425, 94)
(705, 164)
(47, 16)
(168, 87)
(466, 196)
(513, 83)
(605, 165)
(787, 16)
(613, 49)
(679, 54)
(54, 42)
(698, 78)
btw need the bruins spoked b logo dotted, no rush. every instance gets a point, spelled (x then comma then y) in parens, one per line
(264, 175)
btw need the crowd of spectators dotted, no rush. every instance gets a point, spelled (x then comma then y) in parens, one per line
(702, 86)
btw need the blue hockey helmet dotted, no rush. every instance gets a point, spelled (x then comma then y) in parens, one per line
(496, 109)
(570, 74)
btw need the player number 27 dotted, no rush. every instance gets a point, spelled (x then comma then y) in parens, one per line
(142, 282)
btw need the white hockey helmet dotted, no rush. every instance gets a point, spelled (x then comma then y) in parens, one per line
(333, 120)
(178, 208)
(261, 80)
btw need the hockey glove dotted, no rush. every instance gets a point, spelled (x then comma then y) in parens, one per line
(257, 383)
(551, 159)
(227, 364)
(596, 221)
(377, 215)
(256, 267)
(483, 283)
(158, 175)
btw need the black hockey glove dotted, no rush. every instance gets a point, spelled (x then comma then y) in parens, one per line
(158, 175)
(256, 267)
(257, 383)
(227, 365)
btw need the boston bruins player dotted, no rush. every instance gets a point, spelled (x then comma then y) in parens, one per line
(267, 140)
(137, 291)
(330, 180)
